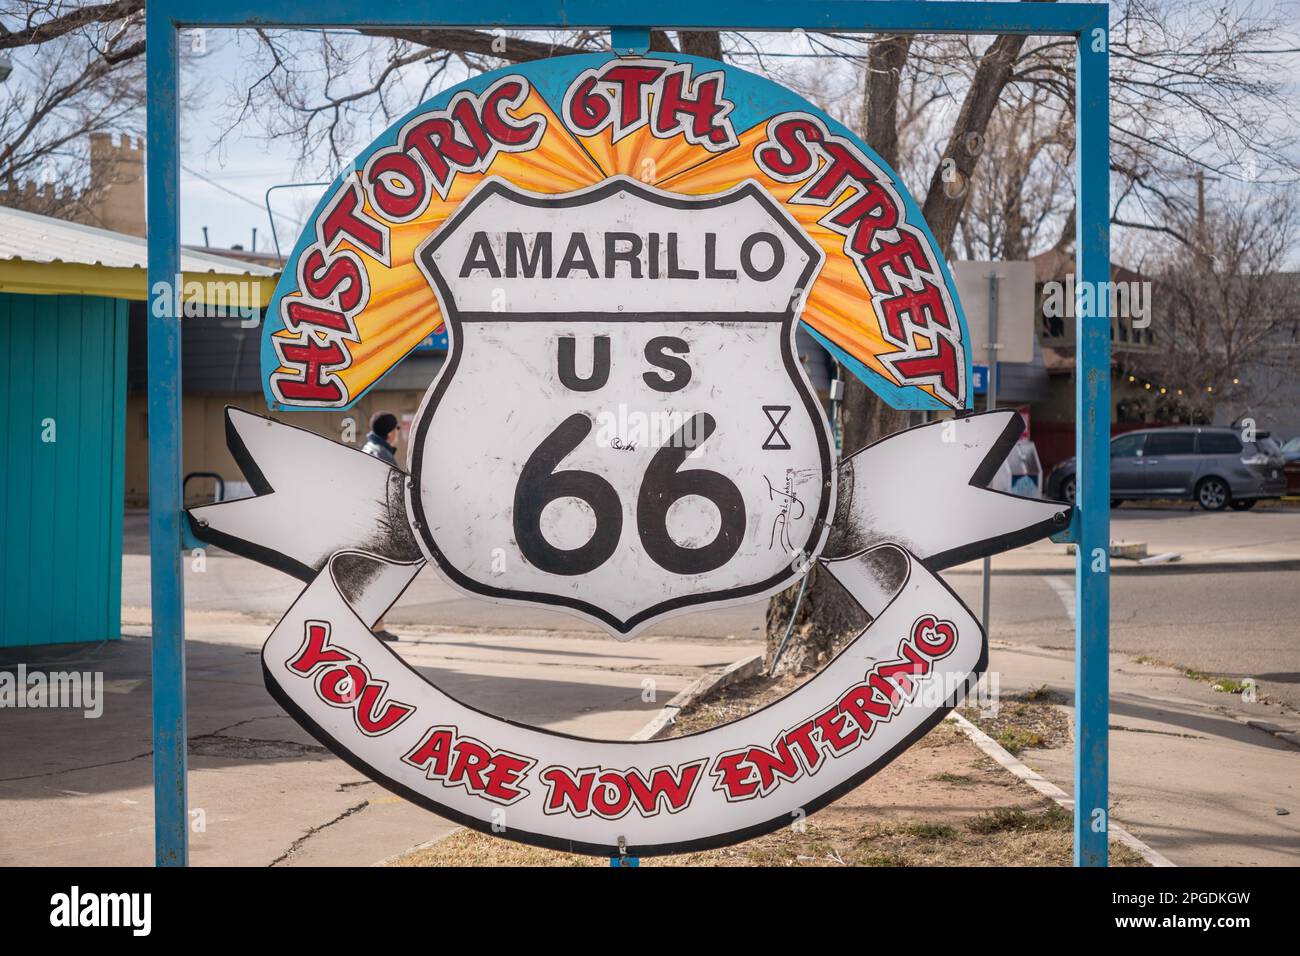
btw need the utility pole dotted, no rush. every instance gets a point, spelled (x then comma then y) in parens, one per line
(992, 395)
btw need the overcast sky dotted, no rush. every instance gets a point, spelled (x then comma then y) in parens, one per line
(225, 178)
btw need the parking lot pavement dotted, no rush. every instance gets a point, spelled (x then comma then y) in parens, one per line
(78, 791)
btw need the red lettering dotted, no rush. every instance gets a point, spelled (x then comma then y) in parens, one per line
(322, 278)
(346, 219)
(801, 737)
(871, 212)
(860, 704)
(313, 358)
(471, 760)
(503, 127)
(942, 364)
(393, 203)
(733, 778)
(464, 114)
(610, 797)
(843, 165)
(790, 155)
(768, 764)
(298, 312)
(675, 790)
(462, 761)
(504, 775)
(433, 753)
(935, 638)
(631, 81)
(587, 109)
(903, 257)
(831, 727)
(702, 110)
(900, 676)
(391, 715)
(565, 792)
(314, 652)
(921, 307)
(435, 141)
(342, 685)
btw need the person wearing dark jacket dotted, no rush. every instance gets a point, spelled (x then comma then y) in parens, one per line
(381, 443)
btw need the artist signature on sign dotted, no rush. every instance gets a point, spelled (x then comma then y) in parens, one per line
(790, 500)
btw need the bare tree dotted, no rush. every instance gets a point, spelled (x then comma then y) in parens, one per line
(1193, 87)
(1227, 317)
(76, 70)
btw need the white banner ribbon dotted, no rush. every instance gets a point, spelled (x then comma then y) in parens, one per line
(909, 505)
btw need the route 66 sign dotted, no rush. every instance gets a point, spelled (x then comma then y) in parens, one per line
(589, 337)
(618, 250)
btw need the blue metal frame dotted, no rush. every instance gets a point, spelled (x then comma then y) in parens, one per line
(1087, 22)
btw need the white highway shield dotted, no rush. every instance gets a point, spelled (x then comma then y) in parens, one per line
(622, 428)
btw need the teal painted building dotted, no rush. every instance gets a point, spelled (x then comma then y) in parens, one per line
(61, 467)
(65, 296)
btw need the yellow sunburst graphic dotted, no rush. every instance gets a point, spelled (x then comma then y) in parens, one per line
(402, 308)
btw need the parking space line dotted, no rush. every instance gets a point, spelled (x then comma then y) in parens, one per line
(1065, 591)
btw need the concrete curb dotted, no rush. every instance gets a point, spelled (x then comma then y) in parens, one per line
(1048, 789)
(1121, 566)
(742, 669)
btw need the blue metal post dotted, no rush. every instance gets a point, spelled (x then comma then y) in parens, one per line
(1092, 446)
(171, 831)
(1087, 21)
(630, 41)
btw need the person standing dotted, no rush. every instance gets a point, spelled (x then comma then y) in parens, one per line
(381, 443)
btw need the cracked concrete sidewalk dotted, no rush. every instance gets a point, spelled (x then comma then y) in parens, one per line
(76, 791)
(1206, 778)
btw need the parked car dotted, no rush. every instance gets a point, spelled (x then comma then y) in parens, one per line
(1291, 465)
(1211, 466)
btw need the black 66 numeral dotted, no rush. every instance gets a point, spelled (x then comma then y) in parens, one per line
(540, 484)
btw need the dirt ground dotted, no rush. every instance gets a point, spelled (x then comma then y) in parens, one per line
(941, 803)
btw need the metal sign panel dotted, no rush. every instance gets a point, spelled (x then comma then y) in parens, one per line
(318, 512)
(620, 431)
(352, 302)
(1017, 312)
(594, 404)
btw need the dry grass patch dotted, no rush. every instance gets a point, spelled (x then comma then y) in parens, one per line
(1025, 721)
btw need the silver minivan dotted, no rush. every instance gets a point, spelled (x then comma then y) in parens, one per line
(1211, 466)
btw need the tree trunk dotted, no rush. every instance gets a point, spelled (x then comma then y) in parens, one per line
(827, 616)
(701, 43)
(950, 184)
